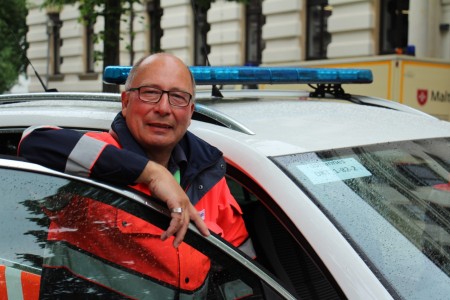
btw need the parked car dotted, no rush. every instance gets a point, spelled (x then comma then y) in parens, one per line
(344, 196)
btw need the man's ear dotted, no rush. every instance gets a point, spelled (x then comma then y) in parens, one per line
(125, 99)
(192, 108)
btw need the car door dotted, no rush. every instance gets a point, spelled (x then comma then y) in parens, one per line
(279, 245)
(32, 198)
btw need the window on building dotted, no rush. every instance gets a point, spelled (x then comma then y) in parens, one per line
(253, 33)
(89, 47)
(393, 25)
(201, 28)
(55, 42)
(318, 38)
(155, 13)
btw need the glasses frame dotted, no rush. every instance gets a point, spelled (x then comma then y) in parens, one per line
(138, 89)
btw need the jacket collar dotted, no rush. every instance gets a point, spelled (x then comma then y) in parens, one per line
(198, 153)
(126, 140)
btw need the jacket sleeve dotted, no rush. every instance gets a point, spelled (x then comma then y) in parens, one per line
(75, 153)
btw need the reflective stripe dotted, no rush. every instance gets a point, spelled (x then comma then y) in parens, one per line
(13, 284)
(17, 284)
(89, 268)
(247, 248)
(32, 128)
(83, 156)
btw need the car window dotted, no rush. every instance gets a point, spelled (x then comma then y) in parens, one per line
(9, 140)
(55, 221)
(392, 202)
(276, 248)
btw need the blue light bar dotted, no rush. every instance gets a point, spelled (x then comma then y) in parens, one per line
(257, 75)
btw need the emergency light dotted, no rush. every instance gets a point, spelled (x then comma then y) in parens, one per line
(258, 75)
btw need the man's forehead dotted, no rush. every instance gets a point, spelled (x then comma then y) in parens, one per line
(153, 67)
(162, 59)
(161, 63)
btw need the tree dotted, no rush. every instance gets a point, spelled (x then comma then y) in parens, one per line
(111, 10)
(13, 48)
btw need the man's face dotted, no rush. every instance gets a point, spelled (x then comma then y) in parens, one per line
(158, 126)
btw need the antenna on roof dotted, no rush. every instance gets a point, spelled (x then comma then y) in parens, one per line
(40, 79)
(215, 92)
(29, 62)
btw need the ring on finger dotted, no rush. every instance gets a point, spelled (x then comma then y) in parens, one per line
(177, 210)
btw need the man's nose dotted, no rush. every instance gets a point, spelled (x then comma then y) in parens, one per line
(163, 104)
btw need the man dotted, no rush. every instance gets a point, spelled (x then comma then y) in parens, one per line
(149, 148)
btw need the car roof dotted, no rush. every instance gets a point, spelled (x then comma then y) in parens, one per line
(274, 123)
(294, 125)
(75, 110)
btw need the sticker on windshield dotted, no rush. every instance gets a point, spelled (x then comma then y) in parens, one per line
(333, 170)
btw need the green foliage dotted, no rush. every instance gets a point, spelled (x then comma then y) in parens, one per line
(90, 10)
(13, 45)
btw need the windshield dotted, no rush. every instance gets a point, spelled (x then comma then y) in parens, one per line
(392, 202)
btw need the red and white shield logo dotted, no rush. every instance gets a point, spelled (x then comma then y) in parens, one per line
(422, 96)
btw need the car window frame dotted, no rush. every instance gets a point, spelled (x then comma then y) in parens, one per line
(207, 245)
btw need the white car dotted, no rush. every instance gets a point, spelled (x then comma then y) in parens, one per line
(343, 198)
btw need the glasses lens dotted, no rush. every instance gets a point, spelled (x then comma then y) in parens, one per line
(179, 98)
(149, 94)
(153, 95)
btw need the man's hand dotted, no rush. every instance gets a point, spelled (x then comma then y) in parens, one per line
(163, 186)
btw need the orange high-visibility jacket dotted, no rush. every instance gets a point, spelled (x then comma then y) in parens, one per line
(90, 232)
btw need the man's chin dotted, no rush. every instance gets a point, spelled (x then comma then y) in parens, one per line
(161, 145)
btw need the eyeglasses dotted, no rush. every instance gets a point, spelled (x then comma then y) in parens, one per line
(149, 94)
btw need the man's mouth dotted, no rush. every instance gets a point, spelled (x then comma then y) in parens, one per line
(160, 125)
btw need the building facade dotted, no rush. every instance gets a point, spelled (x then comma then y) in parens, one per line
(262, 32)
